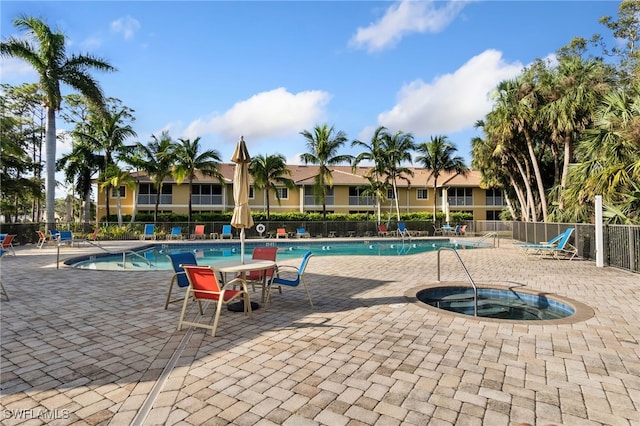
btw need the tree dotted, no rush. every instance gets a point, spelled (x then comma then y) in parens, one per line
(114, 177)
(397, 149)
(374, 152)
(106, 131)
(190, 160)
(269, 172)
(156, 158)
(79, 166)
(438, 155)
(323, 145)
(45, 51)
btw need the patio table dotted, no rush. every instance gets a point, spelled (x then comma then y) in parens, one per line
(236, 267)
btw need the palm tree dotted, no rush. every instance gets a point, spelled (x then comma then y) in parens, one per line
(374, 152)
(268, 173)
(189, 160)
(323, 145)
(79, 166)
(438, 155)
(107, 132)
(397, 151)
(45, 51)
(115, 178)
(156, 159)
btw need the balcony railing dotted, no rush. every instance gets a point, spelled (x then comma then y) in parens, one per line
(150, 199)
(215, 200)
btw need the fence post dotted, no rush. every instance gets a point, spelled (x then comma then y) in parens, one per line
(599, 233)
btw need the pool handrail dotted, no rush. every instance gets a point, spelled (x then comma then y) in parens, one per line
(466, 271)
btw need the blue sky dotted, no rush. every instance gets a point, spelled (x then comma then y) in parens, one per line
(268, 70)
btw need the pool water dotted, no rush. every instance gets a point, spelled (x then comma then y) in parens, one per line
(154, 257)
(496, 303)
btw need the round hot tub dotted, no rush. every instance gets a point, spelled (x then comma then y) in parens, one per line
(499, 303)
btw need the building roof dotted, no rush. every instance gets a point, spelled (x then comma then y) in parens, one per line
(304, 175)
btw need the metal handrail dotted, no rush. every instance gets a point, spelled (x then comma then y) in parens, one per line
(491, 234)
(124, 258)
(473, 284)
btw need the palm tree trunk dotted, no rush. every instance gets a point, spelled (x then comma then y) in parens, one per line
(565, 169)
(155, 212)
(51, 167)
(435, 198)
(538, 175)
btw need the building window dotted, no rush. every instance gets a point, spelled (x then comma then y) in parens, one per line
(122, 190)
(147, 194)
(310, 197)
(206, 194)
(390, 194)
(493, 214)
(283, 193)
(251, 193)
(422, 194)
(495, 197)
(460, 196)
(357, 199)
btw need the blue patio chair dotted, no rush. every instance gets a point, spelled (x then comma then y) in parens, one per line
(65, 237)
(179, 277)
(403, 231)
(302, 233)
(226, 232)
(291, 281)
(175, 234)
(556, 247)
(149, 232)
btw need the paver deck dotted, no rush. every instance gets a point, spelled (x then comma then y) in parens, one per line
(90, 347)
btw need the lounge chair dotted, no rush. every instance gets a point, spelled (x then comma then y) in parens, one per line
(7, 243)
(403, 231)
(43, 239)
(93, 238)
(149, 232)
(557, 247)
(226, 232)
(302, 233)
(204, 286)
(281, 233)
(383, 231)
(198, 232)
(179, 277)
(66, 237)
(175, 234)
(291, 281)
(3, 292)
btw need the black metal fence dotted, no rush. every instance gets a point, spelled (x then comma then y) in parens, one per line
(621, 242)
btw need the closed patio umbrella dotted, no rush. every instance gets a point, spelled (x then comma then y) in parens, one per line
(241, 212)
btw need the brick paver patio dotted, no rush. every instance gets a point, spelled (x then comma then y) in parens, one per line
(90, 347)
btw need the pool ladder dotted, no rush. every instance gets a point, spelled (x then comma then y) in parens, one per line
(488, 235)
(473, 284)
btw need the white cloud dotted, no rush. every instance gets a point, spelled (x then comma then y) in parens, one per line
(272, 114)
(126, 25)
(452, 102)
(403, 18)
(17, 70)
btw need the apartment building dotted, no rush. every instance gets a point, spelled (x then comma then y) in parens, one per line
(463, 193)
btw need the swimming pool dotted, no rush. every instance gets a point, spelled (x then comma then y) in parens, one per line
(154, 257)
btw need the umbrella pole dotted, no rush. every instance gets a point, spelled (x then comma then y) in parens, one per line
(242, 245)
